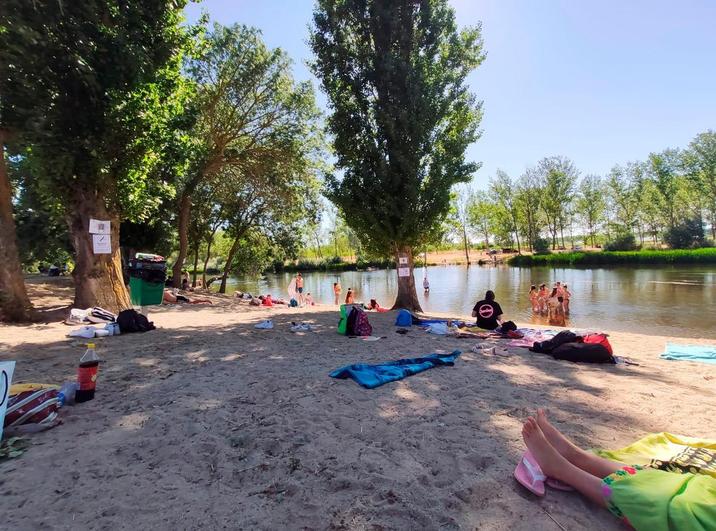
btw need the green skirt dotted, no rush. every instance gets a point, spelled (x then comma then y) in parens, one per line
(654, 500)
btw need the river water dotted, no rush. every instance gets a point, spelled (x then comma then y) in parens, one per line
(678, 301)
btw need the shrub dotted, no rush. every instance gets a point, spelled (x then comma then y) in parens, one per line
(541, 246)
(689, 234)
(623, 242)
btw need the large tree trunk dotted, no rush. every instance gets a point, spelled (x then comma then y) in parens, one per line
(407, 295)
(14, 303)
(183, 229)
(227, 266)
(98, 277)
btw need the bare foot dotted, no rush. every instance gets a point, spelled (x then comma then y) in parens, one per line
(550, 461)
(558, 441)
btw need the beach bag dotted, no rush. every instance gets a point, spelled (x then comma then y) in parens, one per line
(405, 318)
(133, 321)
(343, 321)
(599, 339)
(351, 322)
(35, 406)
(582, 352)
(361, 326)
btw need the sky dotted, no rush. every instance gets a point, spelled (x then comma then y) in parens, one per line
(602, 82)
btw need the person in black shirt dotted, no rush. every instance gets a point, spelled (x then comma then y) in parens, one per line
(488, 312)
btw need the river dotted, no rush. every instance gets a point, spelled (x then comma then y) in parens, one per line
(676, 301)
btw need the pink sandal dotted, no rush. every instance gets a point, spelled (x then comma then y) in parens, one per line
(529, 474)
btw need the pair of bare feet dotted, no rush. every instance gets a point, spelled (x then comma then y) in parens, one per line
(548, 446)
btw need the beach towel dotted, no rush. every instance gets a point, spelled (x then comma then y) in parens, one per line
(372, 376)
(702, 353)
(657, 500)
(669, 452)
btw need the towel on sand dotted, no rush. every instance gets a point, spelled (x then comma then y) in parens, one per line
(703, 353)
(372, 376)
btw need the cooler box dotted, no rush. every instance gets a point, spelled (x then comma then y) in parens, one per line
(143, 293)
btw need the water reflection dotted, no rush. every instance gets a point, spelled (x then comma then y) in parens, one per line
(664, 301)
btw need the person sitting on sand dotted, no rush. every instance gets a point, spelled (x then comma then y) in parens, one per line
(266, 301)
(488, 312)
(542, 296)
(534, 298)
(377, 307)
(170, 298)
(646, 498)
(350, 299)
(309, 299)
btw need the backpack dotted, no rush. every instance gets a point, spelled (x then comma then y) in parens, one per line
(599, 339)
(293, 303)
(361, 326)
(133, 321)
(405, 318)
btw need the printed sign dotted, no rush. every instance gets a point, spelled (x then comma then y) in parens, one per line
(6, 370)
(101, 244)
(403, 271)
(403, 260)
(99, 227)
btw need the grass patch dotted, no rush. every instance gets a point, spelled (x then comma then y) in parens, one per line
(674, 256)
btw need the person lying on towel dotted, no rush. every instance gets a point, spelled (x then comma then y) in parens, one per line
(488, 312)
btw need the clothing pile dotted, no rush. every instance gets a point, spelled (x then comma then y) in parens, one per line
(589, 348)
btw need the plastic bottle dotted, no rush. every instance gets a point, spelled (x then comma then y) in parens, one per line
(66, 395)
(87, 375)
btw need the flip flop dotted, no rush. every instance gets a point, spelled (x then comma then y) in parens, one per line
(529, 474)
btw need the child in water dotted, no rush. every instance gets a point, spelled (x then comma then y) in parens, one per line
(542, 296)
(566, 297)
(349, 296)
(337, 293)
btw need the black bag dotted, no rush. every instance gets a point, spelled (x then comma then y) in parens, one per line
(546, 347)
(351, 323)
(507, 326)
(583, 352)
(133, 321)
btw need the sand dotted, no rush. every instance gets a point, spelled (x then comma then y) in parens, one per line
(209, 423)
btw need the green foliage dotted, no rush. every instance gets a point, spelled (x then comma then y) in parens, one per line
(688, 234)
(94, 89)
(622, 242)
(541, 246)
(695, 256)
(402, 117)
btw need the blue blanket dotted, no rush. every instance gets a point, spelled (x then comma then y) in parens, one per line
(372, 376)
(703, 353)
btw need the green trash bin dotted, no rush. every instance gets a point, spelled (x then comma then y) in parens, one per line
(143, 293)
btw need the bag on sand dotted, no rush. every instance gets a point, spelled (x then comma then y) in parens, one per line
(599, 339)
(405, 318)
(361, 326)
(133, 321)
(546, 347)
(35, 406)
(583, 352)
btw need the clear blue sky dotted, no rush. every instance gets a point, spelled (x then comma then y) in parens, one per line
(600, 82)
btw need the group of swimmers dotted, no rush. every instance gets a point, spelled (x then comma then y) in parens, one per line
(555, 303)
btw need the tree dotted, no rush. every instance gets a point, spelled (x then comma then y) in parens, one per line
(459, 216)
(621, 191)
(504, 194)
(93, 89)
(663, 170)
(558, 176)
(528, 202)
(590, 204)
(481, 215)
(250, 110)
(700, 163)
(402, 118)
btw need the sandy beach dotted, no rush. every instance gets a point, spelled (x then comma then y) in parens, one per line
(209, 423)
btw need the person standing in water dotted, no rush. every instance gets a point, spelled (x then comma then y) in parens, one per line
(299, 288)
(567, 295)
(542, 296)
(426, 284)
(337, 293)
(534, 298)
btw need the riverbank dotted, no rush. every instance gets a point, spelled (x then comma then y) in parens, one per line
(590, 258)
(208, 422)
